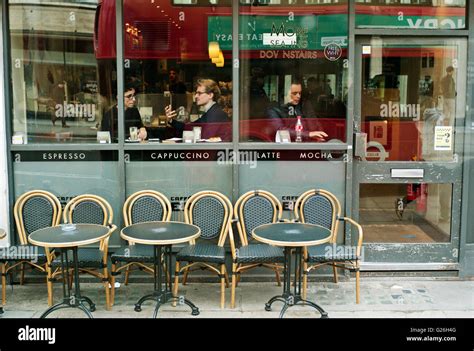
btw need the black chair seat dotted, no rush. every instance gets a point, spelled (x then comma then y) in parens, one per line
(202, 253)
(23, 253)
(260, 253)
(333, 253)
(133, 253)
(87, 258)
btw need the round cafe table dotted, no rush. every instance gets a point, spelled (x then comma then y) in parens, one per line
(293, 237)
(67, 237)
(162, 235)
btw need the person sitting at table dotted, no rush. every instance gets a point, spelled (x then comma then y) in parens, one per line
(132, 117)
(206, 96)
(295, 107)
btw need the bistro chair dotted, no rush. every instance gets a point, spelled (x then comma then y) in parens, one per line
(33, 210)
(142, 206)
(211, 211)
(91, 209)
(252, 209)
(321, 207)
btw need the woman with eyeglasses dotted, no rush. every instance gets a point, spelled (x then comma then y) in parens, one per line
(132, 117)
(206, 96)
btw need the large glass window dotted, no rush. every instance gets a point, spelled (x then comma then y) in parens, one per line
(293, 73)
(178, 83)
(413, 91)
(59, 92)
(411, 14)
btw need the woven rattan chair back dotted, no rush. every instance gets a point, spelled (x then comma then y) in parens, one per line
(88, 208)
(211, 211)
(255, 208)
(319, 207)
(35, 210)
(146, 206)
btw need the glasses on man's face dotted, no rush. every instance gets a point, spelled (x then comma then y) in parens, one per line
(199, 93)
(130, 96)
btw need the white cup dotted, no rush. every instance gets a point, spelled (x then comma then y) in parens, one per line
(188, 136)
(197, 133)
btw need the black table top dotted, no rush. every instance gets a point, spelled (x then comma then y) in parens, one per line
(69, 235)
(160, 233)
(292, 234)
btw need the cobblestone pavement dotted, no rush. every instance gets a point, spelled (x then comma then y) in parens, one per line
(380, 298)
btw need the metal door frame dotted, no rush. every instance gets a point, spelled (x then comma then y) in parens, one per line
(434, 256)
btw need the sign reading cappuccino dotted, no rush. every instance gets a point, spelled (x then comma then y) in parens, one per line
(65, 156)
(172, 155)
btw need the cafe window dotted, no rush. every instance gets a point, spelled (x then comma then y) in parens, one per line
(59, 89)
(170, 62)
(413, 92)
(293, 73)
(411, 14)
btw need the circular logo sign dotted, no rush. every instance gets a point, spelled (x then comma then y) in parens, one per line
(332, 52)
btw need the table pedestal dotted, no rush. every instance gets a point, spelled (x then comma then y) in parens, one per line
(163, 291)
(288, 297)
(74, 300)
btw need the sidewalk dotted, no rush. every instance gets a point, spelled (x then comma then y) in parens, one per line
(380, 298)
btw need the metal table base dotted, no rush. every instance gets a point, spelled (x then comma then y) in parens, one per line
(163, 291)
(70, 300)
(288, 297)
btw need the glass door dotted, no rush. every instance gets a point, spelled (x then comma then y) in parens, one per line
(410, 110)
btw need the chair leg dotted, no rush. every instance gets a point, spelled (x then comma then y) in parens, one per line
(357, 287)
(22, 273)
(305, 279)
(334, 269)
(49, 284)
(226, 276)
(106, 279)
(176, 282)
(4, 283)
(127, 273)
(232, 292)
(185, 276)
(223, 280)
(70, 277)
(112, 284)
(277, 274)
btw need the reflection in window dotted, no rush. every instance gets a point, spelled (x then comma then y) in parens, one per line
(292, 69)
(405, 213)
(57, 89)
(411, 14)
(168, 54)
(411, 96)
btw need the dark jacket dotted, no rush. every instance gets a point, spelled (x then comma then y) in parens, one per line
(214, 115)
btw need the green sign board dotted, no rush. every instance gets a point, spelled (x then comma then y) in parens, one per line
(410, 22)
(308, 32)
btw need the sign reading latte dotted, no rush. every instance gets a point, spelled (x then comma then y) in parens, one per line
(65, 156)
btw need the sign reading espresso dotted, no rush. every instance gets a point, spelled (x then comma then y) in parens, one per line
(65, 156)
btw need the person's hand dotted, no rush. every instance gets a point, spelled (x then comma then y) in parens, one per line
(170, 113)
(319, 134)
(142, 134)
